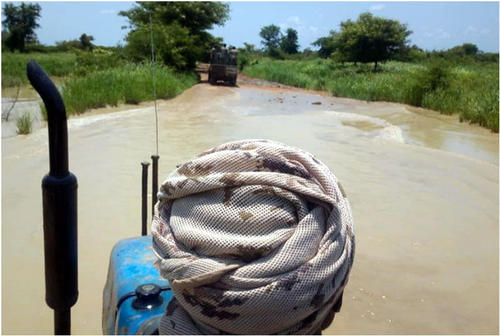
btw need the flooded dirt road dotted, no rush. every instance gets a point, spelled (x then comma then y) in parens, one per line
(423, 189)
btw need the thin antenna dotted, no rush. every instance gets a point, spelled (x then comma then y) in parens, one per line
(155, 158)
(154, 77)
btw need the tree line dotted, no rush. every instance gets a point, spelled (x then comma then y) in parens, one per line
(181, 36)
(369, 39)
(180, 31)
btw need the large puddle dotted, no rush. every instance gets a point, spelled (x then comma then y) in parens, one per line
(423, 189)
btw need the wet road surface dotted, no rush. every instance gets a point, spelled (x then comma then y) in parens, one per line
(423, 189)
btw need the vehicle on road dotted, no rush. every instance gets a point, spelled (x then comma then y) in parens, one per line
(223, 66)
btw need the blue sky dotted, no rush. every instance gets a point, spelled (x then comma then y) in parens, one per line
(435, 25)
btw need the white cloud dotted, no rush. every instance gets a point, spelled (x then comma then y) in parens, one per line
(313, 29)
(438, 34)
(108, 11)
(294, 19)
(443, 34)
(377, 7)
(470, 29)
(294, 22)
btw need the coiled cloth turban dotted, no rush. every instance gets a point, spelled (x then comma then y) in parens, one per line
(255, 237)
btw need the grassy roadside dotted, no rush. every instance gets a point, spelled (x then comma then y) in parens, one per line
(129, 84)
(471, 90)
(93, 80)
(14, 66)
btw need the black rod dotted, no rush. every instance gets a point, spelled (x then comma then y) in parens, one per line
(62, 322)
(154, 181)
(59, 191)
(144, 230)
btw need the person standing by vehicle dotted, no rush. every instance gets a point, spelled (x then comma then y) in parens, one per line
(224, 55)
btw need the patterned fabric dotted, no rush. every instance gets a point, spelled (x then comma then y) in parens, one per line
(255, 237)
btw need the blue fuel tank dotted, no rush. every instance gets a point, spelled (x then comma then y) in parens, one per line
(135, 295)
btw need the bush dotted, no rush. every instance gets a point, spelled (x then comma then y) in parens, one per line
(24, 123)
(276, 53)
(40, 48)
(436, 74)
(87, 62)
(243, 60)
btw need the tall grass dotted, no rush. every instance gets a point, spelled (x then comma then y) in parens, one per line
(470, 90)
(24, 123)
(126, 84)
(14, 66)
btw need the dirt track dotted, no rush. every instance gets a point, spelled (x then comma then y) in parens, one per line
(423, 188)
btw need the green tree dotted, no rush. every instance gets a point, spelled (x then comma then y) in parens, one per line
(19, 25)
(68, 45)
(327, 45)
(371, 39)
(180, 30)
(86, 41)
(411, 54)
(289, 41)
(307, 52)
(468, 49)
(271, 36)
(249, 47)
(179, 52)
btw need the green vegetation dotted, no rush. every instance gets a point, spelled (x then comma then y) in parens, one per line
(19, 24)
(55, 64)
(24, 123)
(469, 89)
(290, 41)
(369, 39)
(461, 80)
(180, 31)
(127, 84)
(327, 44)
(96, 76)
(96, 79)
(271, 36)
(278, 45)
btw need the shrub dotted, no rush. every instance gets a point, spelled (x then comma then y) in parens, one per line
(243, 60)
(87, 62)
(275, 53)
(24, 123)
(436, 74)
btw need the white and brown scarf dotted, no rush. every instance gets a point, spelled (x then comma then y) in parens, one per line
(255, 237)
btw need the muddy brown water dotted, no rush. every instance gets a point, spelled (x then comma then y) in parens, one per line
(423, 189)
